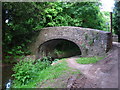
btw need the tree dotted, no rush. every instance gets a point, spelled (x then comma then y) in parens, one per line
(116, 19)
(87, 14)
(19, 21)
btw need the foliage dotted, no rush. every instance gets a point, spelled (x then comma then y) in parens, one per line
(106, 16)
(116, 19)
(87, 14)
(21, 21)
(47, 59)
(89, 60)
(46, 74)
(26, 70)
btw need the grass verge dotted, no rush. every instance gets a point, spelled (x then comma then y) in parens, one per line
(88, 60)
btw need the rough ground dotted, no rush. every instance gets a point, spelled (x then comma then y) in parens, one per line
(60, 82)
(103, 74)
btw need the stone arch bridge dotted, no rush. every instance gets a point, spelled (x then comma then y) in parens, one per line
(89, 41)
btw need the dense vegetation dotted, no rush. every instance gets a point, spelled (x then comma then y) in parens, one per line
(29, 75)
(117, 19)
(21, 21)
(27, 69)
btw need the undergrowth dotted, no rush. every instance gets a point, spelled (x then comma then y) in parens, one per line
(27, 69)
(38, 75)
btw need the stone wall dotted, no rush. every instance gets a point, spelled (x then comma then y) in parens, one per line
(90, 41)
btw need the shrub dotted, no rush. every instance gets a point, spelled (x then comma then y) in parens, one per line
(26, 70)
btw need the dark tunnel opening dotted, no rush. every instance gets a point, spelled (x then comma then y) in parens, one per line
(58, 48)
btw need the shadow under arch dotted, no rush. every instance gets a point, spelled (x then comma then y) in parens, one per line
(58, 48)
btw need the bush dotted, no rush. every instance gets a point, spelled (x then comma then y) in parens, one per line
(26, 70)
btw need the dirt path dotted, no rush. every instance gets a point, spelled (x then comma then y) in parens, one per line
(82, 67)
(103, 74)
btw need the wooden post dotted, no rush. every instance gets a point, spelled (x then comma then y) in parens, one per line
(111, 29)
(111, 22)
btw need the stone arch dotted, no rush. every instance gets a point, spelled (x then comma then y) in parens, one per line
(91, 42)
(49, 45)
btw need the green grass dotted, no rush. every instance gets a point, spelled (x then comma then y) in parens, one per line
(89, 60)
(49, 73)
